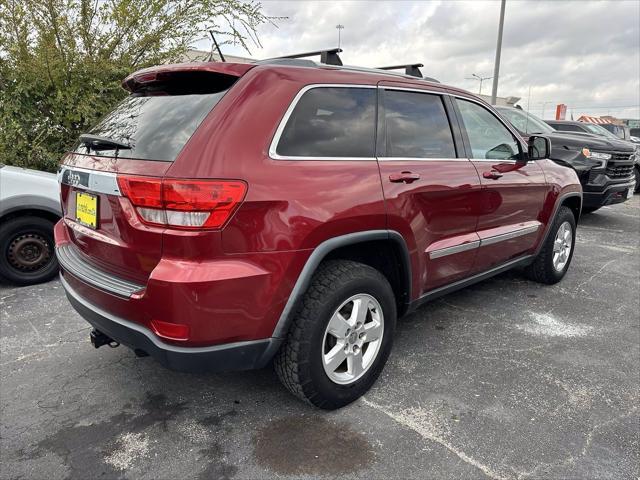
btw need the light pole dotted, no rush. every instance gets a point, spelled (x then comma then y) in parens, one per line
(339, 27)
(478, 77)
(496, 67)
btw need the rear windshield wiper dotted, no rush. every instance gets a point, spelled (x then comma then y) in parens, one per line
(96, 142)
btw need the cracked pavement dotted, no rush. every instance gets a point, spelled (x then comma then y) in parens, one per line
(506, 379)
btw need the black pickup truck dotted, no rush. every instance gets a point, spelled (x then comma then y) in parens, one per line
(604, 166)
(599, 131)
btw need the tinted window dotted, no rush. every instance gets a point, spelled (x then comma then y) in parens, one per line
(563, 127)
(331, 122)
(417, 126)
(488, 137)
(156, 127)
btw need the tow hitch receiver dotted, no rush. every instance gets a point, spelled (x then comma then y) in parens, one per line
(99, 339)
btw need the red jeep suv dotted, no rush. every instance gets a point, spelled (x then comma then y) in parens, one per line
(226, 215)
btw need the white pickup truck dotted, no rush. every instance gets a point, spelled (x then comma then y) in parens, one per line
(29, 208)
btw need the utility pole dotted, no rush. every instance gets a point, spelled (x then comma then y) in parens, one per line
(496, 68)
(478, 77)
(339, 27)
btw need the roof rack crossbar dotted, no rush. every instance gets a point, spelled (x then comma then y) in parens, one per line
(329, 57)
(412, 69)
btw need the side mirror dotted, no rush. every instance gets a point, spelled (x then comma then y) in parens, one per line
(539, 147)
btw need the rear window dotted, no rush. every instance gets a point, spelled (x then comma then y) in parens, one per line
(417, 126)
(331, 122)
(155, 126)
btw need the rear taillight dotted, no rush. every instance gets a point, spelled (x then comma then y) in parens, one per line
(184, 204)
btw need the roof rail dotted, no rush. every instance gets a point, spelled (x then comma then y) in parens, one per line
(329, 57)
(412, 69)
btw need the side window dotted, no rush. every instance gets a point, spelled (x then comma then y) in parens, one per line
(417, 126)
(488, 137)
(568, 128)
(331, 122)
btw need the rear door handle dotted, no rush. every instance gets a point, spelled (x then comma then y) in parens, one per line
(404, 177)
(493, 175)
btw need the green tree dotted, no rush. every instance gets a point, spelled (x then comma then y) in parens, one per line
(62, 61)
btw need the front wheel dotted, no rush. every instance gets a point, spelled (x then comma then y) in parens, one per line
(636, 172)
(553, 261)
(341, 336)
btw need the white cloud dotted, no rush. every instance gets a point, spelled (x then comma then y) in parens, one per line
(582, 53)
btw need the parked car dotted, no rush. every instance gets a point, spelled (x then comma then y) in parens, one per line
(604, 166)
(29, 208)
(582, 127)
(224, 215)
(571, 126)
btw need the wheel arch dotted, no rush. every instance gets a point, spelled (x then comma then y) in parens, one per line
(365, 247)
(45, 213)
(573, 200)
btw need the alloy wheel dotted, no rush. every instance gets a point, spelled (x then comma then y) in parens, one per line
(352, 339)
(562, 246)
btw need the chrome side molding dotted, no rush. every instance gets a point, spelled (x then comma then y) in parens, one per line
(463, 247)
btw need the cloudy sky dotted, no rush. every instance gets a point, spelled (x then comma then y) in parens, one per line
(582, 53)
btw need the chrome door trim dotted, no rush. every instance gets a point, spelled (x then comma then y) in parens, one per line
(90, 180)
(421, 159)
(509, 235)
(409, 89)
(463, 247)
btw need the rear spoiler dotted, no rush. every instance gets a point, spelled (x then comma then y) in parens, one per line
(226, 73)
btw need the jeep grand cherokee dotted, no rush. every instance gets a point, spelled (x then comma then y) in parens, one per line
(224, 215)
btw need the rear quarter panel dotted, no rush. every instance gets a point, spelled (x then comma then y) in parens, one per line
(291, 206)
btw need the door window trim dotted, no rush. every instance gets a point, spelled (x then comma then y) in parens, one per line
(458, 135)
(283, 123)
(381, 133)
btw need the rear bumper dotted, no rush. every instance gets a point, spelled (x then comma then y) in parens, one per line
(224, 300)
(231, 356)
(610, 194)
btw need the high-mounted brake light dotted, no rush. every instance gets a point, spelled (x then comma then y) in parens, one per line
(184, 204)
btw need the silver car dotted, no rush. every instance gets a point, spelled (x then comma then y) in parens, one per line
(29, 208)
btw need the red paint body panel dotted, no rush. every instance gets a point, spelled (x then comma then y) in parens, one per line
(440, 207)
(232, 284)
(508, 203)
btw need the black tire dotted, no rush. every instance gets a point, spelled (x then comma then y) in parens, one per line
(299, 362)
(587, 210)
(542, 269)
(636, 172)
(27, 254)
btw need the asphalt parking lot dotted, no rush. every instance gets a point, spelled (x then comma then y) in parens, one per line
(506, 379)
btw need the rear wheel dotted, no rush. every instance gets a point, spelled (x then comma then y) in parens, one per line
(341, 336)
(553, 261)
(27, 250)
